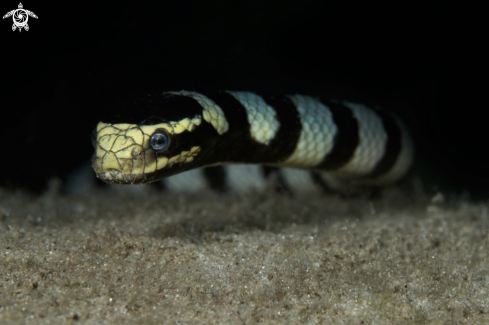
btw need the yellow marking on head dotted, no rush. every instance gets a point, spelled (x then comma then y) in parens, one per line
(162, 161)
(212, 113)
(121, 143)
(107, 141)
(174, 127)
(123, 152)
(146, 140)
(178, 128)
(136, 134)
(110, 161)
(150, 162)
(138, 165)
(108, 130)
(181, 125)
(99, 152)
(196, 121)
(183, 157)
(150, 129)
(129, 152)
(175, 158)
(101, 125)
(125, 126)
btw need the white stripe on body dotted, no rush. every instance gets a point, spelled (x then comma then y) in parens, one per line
(371, 145)
(403, 162)
(317, 134)
(262, 117)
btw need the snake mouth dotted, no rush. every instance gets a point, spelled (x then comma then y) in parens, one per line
(137, 170)
(124, 171)
(118, 177)
(117, 171)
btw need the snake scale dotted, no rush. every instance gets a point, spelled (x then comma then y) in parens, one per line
(315, 141)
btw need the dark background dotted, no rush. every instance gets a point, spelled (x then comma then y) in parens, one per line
(80, 63)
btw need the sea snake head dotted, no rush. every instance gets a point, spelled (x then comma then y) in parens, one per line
(174, 136)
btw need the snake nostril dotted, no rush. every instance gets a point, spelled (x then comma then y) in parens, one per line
(135, 153)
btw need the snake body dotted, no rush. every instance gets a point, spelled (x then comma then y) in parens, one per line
(340, 142)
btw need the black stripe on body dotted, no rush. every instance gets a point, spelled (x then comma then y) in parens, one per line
(289, 133)
(346, 139)
(392, 148)
(241, 147)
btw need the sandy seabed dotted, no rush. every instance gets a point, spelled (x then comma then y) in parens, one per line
(149, 257)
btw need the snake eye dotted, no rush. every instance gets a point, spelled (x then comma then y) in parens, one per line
(94, 137)
(160, 140)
